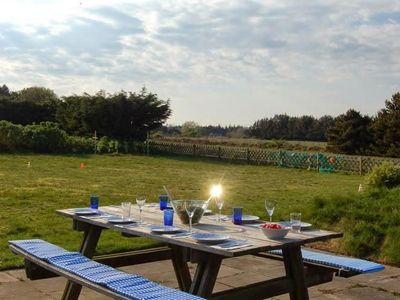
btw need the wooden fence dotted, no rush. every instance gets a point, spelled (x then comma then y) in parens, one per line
(321, 162)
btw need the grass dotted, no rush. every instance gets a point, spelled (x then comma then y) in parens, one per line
(29, 196)
(370, 221)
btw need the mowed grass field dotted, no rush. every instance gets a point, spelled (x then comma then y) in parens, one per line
(29, 196)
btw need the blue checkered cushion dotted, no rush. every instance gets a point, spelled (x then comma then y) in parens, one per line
(340, 262)
(143, 289)
(39, 248)
(129, 285)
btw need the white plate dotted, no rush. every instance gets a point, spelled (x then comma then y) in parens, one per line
(120, 220)
(210, 238)
(303, 224)
(165, 229)
(85, 211)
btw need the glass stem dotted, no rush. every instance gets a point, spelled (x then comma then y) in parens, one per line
(219, 217)
(190, 224)
(270, 219)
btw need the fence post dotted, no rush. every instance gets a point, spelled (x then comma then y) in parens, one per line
(248, 156)
(317, 162)
(194, 149)
(360, 164)
(219, 152)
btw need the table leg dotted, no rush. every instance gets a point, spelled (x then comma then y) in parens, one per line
(179, 261)
(206, 275)
(295, 270)
(88, 246)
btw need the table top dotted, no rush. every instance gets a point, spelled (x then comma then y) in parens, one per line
(152, 215)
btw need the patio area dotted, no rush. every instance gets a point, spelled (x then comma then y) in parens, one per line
(380, 285)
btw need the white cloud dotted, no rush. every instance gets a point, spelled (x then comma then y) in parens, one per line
(254, 58)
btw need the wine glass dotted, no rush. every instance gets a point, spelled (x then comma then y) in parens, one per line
(219, 201)
(140, 200)
(270, 207)
(190, 208)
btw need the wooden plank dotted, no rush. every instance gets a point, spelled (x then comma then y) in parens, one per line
(130, 258)
(80, 281)
(295, 270)
(206, 275)
(35, 272)
(179, 262)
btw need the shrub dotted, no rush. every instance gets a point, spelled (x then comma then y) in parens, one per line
(77, 144)
(390, 248)
(11, 136)
(363, 239)
(46, 137)
(384, 175)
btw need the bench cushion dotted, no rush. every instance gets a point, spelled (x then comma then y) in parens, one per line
(129, 285)
(340, 262)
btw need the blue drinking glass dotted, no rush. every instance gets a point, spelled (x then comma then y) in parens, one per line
(237, 215)
(168, 217)
(163, 201)
(94, 201)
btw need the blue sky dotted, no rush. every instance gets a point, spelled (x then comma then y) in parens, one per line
(219, 62)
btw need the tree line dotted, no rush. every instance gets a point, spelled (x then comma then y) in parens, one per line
(122, 115)
(131, 116)
(304, 128)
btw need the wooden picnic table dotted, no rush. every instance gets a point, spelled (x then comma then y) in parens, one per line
(209, 258)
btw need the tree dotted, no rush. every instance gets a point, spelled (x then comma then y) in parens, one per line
(121, 115)
(350, 134)
(4, 91)
(30, 105)
(190, 129)
(37, 95)
(386, 128)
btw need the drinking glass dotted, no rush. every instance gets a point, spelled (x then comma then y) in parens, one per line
(220, 203)
(190, 208)
(126, 210)
(295, 221)
(94, 201)
(237, 215)
(270, 207)
(168, 217)
(140, 200)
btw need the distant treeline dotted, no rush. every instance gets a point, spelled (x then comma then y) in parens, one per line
(349, 133)
(304, 128)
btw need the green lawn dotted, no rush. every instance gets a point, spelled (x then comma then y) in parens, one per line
(29, 196)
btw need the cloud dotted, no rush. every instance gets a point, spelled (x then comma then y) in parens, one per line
(288, 48)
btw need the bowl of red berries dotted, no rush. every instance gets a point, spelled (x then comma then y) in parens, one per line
(274, 231)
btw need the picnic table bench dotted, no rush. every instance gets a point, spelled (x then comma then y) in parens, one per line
(299, 274)
(86, 272)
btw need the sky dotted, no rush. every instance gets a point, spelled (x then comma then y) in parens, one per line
(228, 62)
